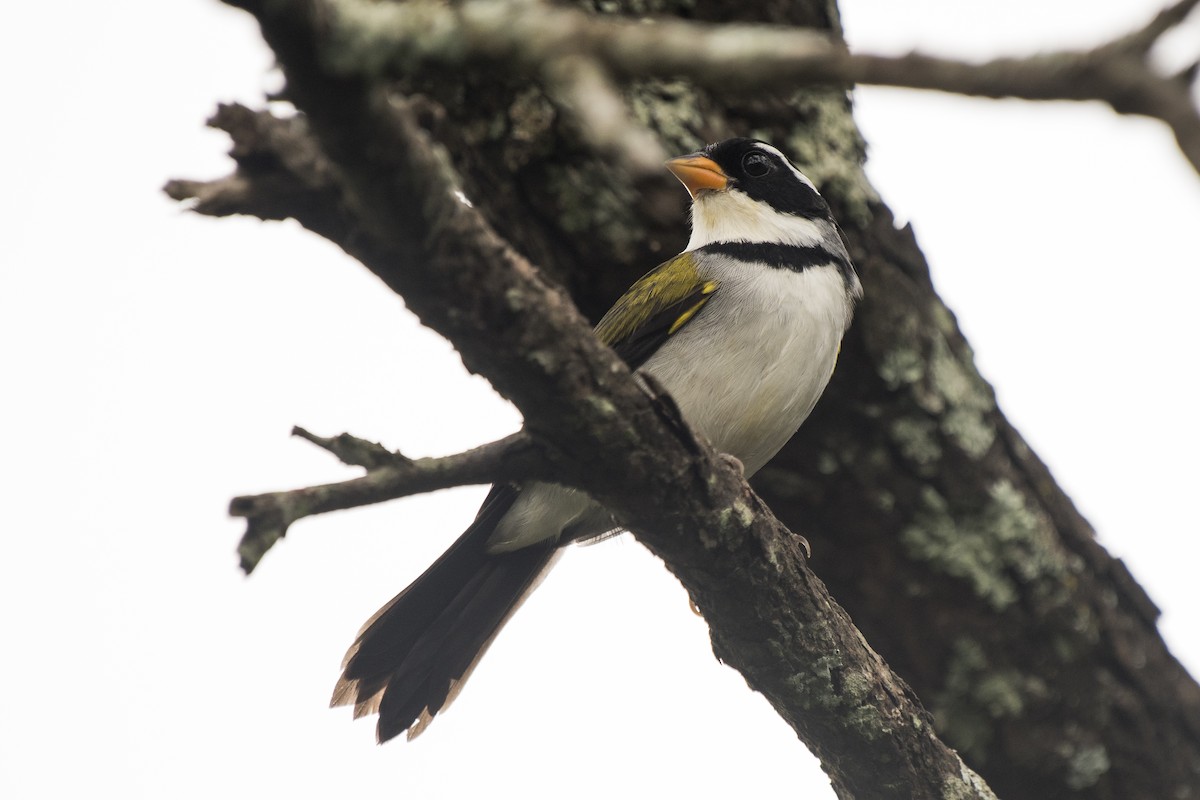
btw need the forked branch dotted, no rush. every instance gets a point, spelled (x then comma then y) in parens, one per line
(390, 475)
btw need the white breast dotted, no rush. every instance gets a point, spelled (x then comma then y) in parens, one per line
(749, 369)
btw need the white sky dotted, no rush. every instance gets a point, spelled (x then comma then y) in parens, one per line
(154, 362)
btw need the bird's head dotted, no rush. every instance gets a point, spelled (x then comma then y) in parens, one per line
(744, 190)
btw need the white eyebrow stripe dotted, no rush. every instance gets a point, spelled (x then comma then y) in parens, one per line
(787, 162)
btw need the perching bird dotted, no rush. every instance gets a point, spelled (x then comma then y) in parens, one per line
(742, 329)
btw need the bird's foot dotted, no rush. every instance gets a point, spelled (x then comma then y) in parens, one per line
(734, 462)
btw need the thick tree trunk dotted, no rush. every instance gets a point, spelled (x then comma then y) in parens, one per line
(932, 521)
(967, 567)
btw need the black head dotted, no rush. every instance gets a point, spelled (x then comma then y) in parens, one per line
(765, 174)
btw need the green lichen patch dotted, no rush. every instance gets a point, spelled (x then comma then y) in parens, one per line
(672, 109)
(970, 785)
(602, 406)
(943, 383)
(548, 360)
(970, 430)
(991, 548)
(1086, 763)
(943, 319)
(967, 400)
(590, 202)
(731, 525)
(976, 697)
(743, 514)
(530, 119)
(850, 695)
(830, 149)
(916, 437)
(901, 366)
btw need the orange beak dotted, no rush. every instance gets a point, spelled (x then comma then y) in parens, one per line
(698, 173)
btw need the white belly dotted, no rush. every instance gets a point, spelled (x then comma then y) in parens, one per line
(749, 394)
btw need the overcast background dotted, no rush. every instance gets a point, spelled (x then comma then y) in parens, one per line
(154, 361)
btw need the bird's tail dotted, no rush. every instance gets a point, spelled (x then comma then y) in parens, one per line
(411, 659)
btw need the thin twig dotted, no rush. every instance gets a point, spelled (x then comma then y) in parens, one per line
(354, 451)
(1140, 41)
(268, 516)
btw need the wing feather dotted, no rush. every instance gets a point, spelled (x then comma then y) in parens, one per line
(656, 307)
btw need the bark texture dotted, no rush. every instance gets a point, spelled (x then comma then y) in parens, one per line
(934, 524)
(970, 570)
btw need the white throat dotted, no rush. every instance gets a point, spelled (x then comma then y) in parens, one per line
(732, 216)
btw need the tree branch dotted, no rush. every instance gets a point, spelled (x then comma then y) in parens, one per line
(389, 476)
(354, 451)
(395, 38)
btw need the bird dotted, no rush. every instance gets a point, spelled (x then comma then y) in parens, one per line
(742, 329)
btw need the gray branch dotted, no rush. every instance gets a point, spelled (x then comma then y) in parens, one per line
(389, 476)
(523, 37)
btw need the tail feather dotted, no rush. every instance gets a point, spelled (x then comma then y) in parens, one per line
(413, 655)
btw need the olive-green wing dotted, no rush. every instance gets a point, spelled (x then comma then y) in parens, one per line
(654, 308)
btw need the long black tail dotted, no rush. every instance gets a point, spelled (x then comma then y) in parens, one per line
(411, 658)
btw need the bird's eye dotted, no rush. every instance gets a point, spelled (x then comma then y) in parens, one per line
(755, 165)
